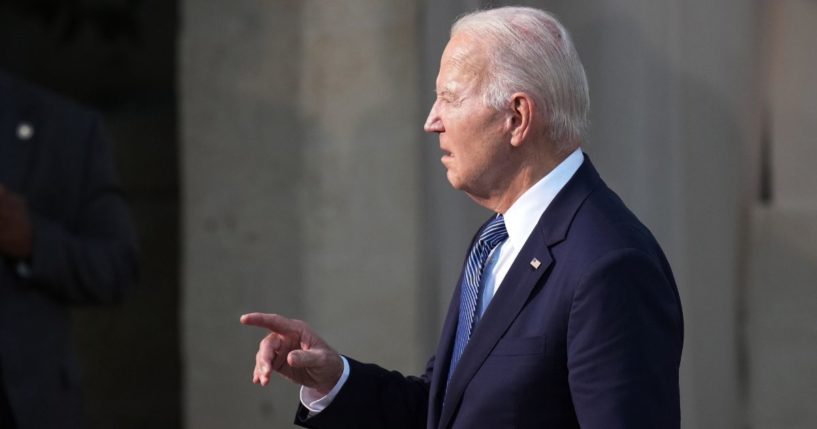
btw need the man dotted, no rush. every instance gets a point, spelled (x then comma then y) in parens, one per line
(65, 238)
(566, 314)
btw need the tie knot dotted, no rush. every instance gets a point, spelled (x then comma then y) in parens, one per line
(495, 232)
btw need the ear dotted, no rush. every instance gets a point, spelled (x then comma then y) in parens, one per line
(522, 109)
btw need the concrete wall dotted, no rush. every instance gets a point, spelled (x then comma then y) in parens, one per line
(781, 327)
(242, 141)
(300, 127)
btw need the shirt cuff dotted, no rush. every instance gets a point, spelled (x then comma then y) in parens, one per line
(314, 402)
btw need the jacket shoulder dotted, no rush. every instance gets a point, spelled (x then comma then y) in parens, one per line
(604, 224)
(35, 101)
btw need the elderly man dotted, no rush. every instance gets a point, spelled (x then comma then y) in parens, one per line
(566, 314)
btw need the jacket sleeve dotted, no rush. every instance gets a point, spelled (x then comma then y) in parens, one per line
(374, 398)
(94, 258)
(624, 342)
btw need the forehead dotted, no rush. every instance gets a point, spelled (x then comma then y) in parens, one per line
(463, 61)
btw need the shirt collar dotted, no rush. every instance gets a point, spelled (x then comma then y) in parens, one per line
(524, 213)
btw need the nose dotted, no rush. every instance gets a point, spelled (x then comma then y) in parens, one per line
(433, 123)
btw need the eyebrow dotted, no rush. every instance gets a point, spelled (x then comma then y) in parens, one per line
(446, 90)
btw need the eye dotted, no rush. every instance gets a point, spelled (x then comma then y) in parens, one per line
(444, 97)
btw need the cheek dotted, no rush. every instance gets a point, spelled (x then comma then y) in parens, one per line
(458, 116)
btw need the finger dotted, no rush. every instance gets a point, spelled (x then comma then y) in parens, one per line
(273, 322)
(279, 358)
(304, 358)
(261, 375)
(268, 347)
(263, 361)
(258, 373)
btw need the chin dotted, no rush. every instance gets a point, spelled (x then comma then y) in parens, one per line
(454, 180)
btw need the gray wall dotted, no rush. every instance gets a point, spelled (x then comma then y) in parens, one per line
(781, 321)
(310, 190)
(301, 174)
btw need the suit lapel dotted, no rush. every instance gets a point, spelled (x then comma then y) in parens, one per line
(445, 346)
(442, 360)
(511, 296)
(509, 300)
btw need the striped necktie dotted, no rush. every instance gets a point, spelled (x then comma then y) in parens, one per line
(490, 237)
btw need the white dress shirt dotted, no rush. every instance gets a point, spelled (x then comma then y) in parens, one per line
(520, 219)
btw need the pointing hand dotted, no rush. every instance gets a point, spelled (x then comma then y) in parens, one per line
(293, 350)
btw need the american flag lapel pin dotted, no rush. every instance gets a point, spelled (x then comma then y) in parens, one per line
(535, 263)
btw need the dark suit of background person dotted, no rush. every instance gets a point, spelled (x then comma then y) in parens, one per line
(55, 161)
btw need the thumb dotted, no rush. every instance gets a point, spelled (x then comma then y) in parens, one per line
(304, 358)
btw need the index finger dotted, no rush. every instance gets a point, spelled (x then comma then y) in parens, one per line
(273, 322)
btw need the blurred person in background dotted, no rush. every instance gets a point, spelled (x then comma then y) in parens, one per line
(66, 238)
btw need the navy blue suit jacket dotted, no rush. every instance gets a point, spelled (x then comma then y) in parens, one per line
(84, 249)
(590, 338)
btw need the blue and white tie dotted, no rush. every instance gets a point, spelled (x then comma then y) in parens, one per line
(493, 234)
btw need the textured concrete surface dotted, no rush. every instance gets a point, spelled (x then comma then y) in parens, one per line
(792, 66)
(241, 140)
(781, 329)
(299, 130)
(782, 321)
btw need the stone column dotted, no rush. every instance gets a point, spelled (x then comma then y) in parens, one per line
(300, 128)
(781, 317)
(358, 203)
(242, 161)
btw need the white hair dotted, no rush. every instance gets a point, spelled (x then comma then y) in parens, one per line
(530, 51)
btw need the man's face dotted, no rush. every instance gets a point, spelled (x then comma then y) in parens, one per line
(473, 136)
